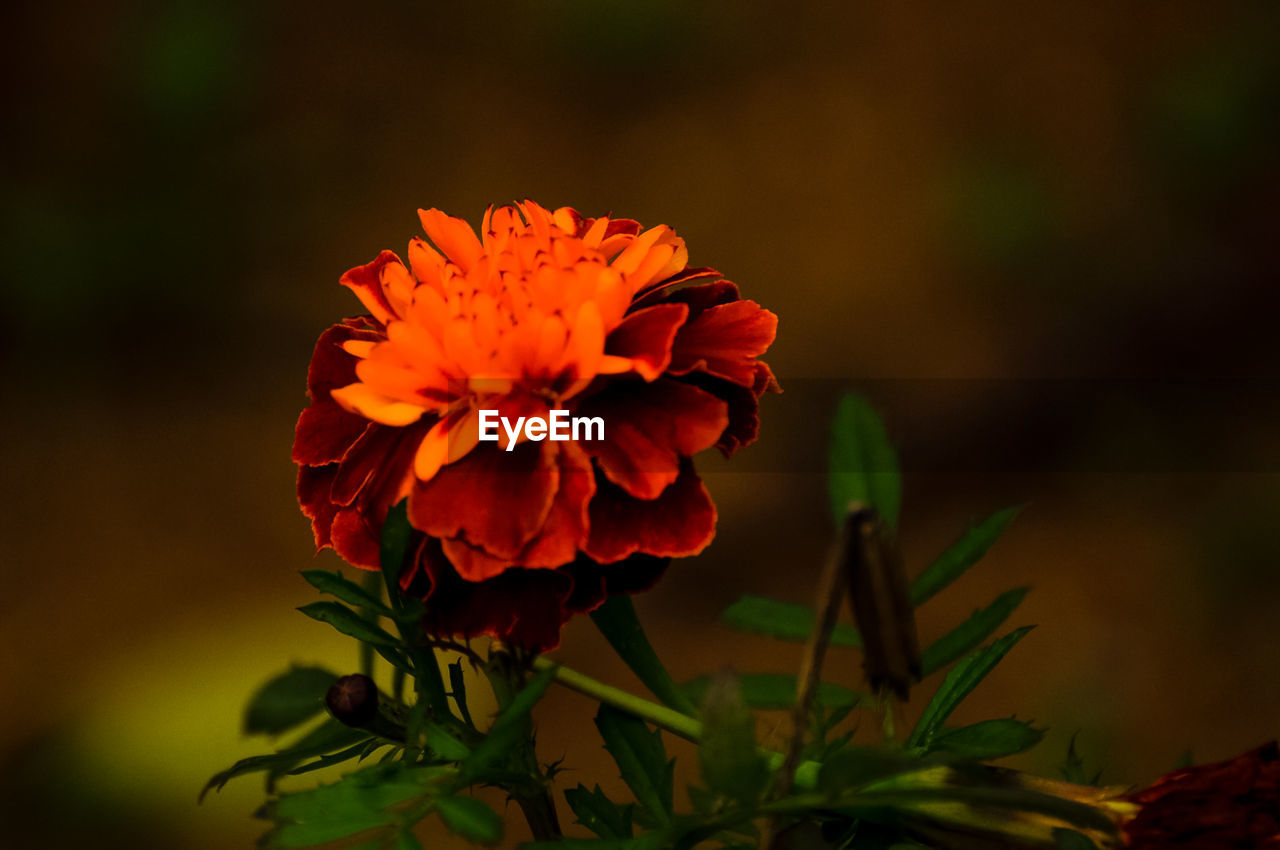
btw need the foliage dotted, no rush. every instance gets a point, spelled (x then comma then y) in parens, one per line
(824, 790)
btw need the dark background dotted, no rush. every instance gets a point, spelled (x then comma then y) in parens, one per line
(1043, 240)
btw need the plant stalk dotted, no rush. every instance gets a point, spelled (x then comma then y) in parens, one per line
(506, 673)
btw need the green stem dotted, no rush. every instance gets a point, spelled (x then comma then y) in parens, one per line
(674, 722)
(659, 715)
(506, 674)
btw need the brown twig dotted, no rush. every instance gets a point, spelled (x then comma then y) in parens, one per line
(831, 591)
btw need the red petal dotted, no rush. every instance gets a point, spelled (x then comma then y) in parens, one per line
(593, 583)
(331, 366)
(354, 540)
(680, 522)
(521, 607)
(494, 499)
(565, 531)
(314, 483)
(645, 338)
(621, 225)
(472, 562)
(744, 405)
(361, 460)
(649, 427)
(366, 282)
(704, 296)
(724, 341)
(663, 288)
(325, 431)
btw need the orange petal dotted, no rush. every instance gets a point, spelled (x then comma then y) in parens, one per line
(433, 451)
(366, 282)
(372, 405)
(453, 236)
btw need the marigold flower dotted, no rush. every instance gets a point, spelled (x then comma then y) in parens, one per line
(544, 310)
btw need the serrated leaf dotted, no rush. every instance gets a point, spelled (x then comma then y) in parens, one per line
(989, 739)
(458, 688)
(776, 690)
(338, 585)
(1072, 768)
(863, 466)
(357, 802)
(349, 623)
(509, 728)
(641, 759)
(972, 632)
(782, 620)
(332, 759)
(596, 812)
(288, 700)
(441, 742)
(617, 621)
(470, 818)
(854, 767)
(962, 679)
(731, 764)
(960, 556)
(326, 738)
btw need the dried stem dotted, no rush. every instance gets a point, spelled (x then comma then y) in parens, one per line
(831, 593)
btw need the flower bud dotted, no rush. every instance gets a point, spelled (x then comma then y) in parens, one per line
(353, 700)
(881, 604)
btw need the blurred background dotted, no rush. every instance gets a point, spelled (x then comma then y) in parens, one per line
(1044, 241)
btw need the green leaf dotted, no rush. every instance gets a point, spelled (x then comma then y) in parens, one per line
(854, 767)
(349, 623)
(598, 813)
(962, 555)
(1069, 839)
(458, 689)
(962, 679)
(470, 818)
(731, 764)
(972, 632)
(326, 738)
(357, 802)
(989, 739)
(397, 533)
(862, 466)
(641, 759)
(406, 840)
(336, 584)
(776, 690)
(441, 742)
(359, 750)
(509, 728)
(1072, 768)
(617, 621)
(911, 792)
(288, 700)
(782, 620)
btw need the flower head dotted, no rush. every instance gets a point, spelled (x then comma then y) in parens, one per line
(543, 310)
